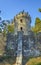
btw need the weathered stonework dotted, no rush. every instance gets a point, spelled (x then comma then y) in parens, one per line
(26, 45)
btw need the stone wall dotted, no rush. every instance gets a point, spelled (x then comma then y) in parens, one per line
(29, 44)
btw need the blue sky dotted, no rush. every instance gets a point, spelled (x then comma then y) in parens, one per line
(10, 8)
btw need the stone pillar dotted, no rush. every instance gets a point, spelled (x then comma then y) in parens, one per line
(19, 49)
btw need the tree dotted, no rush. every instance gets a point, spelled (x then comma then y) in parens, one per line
(39, 9)
(11, 28)
(37, 27)
(5, 24)
(0, 30)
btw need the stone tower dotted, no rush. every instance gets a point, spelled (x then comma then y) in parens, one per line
(22, 22)
(23, 40)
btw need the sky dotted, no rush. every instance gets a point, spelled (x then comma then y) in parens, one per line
(9, 8)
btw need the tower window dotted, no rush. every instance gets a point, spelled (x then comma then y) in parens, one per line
(21, 20)
(21, 28)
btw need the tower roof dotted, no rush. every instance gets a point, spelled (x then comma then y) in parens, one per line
(23, 15)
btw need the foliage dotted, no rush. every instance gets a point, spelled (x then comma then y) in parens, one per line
(39, 9)
(4, 32)
(6, 27)
(11, 28)
(39, 63)
(34, 61)
(37, 27)
(0, 30)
